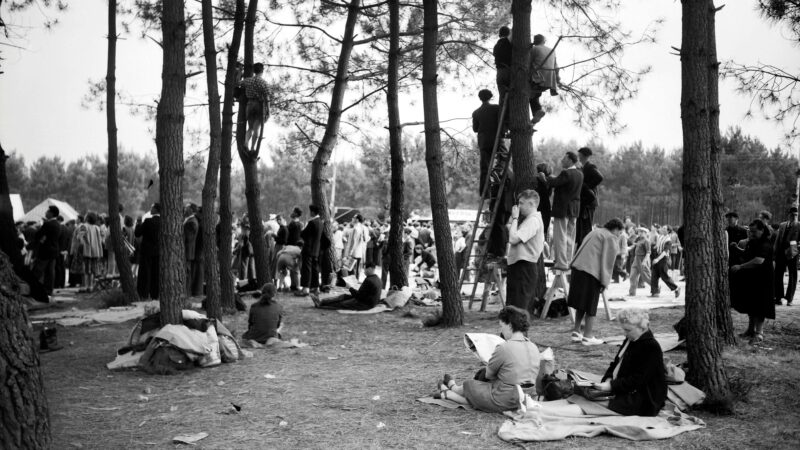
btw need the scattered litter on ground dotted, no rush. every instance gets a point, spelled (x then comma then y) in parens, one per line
(189, 438)
(377, 397)
(380, 425)
(143, 398)
(269, 376)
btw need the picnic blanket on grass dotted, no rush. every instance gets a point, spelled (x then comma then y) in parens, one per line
(534, 425)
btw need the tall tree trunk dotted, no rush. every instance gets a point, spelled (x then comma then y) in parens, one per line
(213, 305)
(112, 180)
(9, 242)
(706, 369)
(23, 405)
(722, 292)
(225, 215)
(331, 136)
(249, 158)
(519, 93)
(398, 276)
(452, 309)
(169, 145)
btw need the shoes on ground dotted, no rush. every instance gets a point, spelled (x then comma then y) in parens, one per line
(301, 294)
(576, 337)
(747, 334)
(654, 295)
(591, 341)
(315, 299)
(757, 339)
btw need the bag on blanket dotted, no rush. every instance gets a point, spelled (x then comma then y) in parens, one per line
(557, 386)
(397, 298)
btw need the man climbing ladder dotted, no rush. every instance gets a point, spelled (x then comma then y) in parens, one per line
(257, 112)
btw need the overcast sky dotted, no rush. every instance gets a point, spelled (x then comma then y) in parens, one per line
(43, 85)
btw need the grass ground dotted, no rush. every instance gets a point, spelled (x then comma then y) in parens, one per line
(356, 385)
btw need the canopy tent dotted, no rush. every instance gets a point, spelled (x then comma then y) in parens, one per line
(16, 207)
(37, 213)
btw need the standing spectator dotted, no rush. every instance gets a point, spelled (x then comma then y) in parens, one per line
(359, 246)
(591, 275)
(127, 234)
(244, 260)
(91, 241)
(566, 206)
(459, 248)
(735, 231)
(641, 247)
(619, 262)
(485, 122)
(338, 244)
(369, 254)
(48, 251)
(785, 255)
(526, 242)
(408, 250)
(198, 265)
(64, 239)
(257, 92)
(149, 231)
(751, 290)
(76, 254)
(543, 75)
(295, 227)
(314, 243)
(543, 171)
(591, 179)
(675, 250)
(425, 235)
(659, 264)
(191, 229)
(502, 61)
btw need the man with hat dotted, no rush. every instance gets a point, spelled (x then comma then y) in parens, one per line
(47, 249)
(785, 254)
(641, 247)
(735, 231)
(485, 121)
(591, 179)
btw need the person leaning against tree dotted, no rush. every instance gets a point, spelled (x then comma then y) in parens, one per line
(526, 242)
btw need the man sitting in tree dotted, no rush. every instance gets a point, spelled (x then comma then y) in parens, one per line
(257, 112)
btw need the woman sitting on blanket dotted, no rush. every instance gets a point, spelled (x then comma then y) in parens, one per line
(512, 365)
(264, 320)
(636, 376)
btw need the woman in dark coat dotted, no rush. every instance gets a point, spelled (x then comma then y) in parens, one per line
(751, 281)
(636, 377)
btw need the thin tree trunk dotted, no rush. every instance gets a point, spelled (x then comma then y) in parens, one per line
(397, 274)
(23, 405)
(211, 267)
(225, 215)
(722, 292)
(249, 158)
(169, 144)
(706, 368)
(519, 125)
(452, 309)
(112, 180)
(331, 136)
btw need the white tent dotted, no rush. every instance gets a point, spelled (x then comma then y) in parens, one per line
(36, 214)
(16, 207)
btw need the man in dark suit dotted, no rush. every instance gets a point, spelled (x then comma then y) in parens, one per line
(543, 171)
(591, 179)
(485, 121)
(566, 206)
(366, 297)
(149, 230)
(785, 254)
(735, 231)
(47, 241)
(64, 241)
(193, 250)
(313, 236)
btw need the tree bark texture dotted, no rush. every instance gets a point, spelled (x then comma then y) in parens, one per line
(211, 266)
(225, 256)
(120, 250)
(325, 150)
(452, 309)
(707, 370)
(722, 293)
(398, 276)
(169, 145)
(24, 415)
(518, 104)
(249, 158)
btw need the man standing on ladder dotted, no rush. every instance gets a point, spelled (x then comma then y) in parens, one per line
(485, 121)
(566, 206)
(257, 112)
(526, 242)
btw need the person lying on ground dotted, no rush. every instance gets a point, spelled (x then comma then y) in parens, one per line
(264, 322)
(514, 365)
(366, 297)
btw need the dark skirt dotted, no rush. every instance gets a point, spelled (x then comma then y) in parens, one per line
(521, 284)
(584, 292)
(752, 291)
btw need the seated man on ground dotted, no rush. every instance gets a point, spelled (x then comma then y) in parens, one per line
(366, 297)
(264, 320)
(513, 365)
